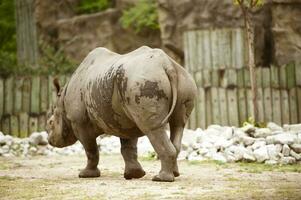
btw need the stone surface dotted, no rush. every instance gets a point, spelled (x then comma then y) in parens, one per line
(261, 154)
(295, 155)
(283, 138)
(262, 132)
(286, 150)
(274, 127)
(38, 138)
(296, 147)
(287, 160)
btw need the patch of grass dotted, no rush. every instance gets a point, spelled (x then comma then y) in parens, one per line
(259, 168)
(207, 162)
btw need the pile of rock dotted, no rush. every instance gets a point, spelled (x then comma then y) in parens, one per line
(271, 145)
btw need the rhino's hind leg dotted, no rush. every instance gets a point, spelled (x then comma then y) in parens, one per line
(91, 149)
(166, 152)
(176, 133)
(133, 168)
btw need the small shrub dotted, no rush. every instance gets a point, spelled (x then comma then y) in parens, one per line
(143, 15)
(92, 6)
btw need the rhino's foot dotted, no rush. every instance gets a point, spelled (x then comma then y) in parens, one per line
(89, 173)
(176, 173)
(164, 177)
(134, 173)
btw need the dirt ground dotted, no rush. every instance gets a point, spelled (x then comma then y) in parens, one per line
(56, 177)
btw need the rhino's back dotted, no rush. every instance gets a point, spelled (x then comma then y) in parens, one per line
(127, 91)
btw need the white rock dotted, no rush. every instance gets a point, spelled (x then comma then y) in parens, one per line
(273, 151)
(38, 138)
(262, 132)
(195, 157)
(287, 160)
(270, 162)
(237, 151)
(183, 155)
(283, 138)
(227, 132)
(274, 127)
(261, 154)
(296, 147)
(249, 128)
(6, 140)
(222, 143)
(258, 144)
(248, 157)
(295, 155)
(295, 128)
(239, 133)
(202, 151)
(247, 140)
(1, 134)
(219, 157)
(285, 150)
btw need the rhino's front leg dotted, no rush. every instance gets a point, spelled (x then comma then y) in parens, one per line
(88, 140)
(133, 168)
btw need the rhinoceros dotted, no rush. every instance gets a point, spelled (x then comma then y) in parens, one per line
(128, 96)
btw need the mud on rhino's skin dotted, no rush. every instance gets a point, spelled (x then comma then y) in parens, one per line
(127, 96)
(150, 90)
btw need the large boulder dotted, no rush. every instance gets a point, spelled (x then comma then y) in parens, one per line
(101, 29)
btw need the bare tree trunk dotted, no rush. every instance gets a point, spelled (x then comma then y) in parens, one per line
(251, 62)
(27, 45)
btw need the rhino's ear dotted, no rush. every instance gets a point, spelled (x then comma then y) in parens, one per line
(56, 85)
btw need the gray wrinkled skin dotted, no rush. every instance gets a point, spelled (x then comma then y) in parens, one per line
(128, 96)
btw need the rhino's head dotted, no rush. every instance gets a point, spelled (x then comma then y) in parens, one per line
(59, 130)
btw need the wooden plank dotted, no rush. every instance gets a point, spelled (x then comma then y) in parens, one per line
(274, 77)
(216, 60)
(1, 97)
(6, 125)
(299, 103)
(207, 78)
(249, 103)
(266, 77)
(14, 125)
(9, 95)
(276, 106)
(230, 79)
(293, 106)
(240, 78)
(247, 78)
(201, 108)
(18, 95)
(238, 59)
(42, 123)
(199, 78)
(24, 122)
(267, 102)
(258, 76)
(26, 90)
(35, 95)
(233, 107)
(208, 107)
(285, 113)
(215, 106)
(298, 74)
(226, 41)
(282, 77)
(223, 106)
(207, 49)
(43, 94)
(186, 50)
(242, 106)
(51, 91)
(215, 78)
(198, 53)
(291, 76)
(192, 51)
(260, 104)
(33, 124)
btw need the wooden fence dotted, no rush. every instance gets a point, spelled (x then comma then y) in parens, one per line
(217, 59)
(24, 102)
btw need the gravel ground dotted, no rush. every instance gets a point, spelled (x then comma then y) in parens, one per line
(55, 177)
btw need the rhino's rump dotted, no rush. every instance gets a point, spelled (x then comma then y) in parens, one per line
(125, 99)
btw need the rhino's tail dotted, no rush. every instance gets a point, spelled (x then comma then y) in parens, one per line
(173, 78)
